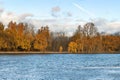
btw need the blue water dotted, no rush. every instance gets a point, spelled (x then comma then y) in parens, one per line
(60, 67)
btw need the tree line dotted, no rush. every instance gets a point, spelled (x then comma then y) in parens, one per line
(86, 39)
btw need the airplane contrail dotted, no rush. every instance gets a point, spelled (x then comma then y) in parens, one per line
(84, 10)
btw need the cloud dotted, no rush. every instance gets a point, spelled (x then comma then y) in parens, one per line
(114, 26)
(55, 11)
(1, 10)
(55, 25)
(105, 25)
(84, 10)
(6, 17)
(69, 25)
(25, 15)
(69, 14)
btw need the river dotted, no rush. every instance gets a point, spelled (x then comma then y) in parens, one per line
(60, 67)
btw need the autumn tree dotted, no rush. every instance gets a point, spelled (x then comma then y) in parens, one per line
(29, 33)
(7, 41)
(40, 42)
(1, 26)
(18, 32)
(60, 49)
(86, 39)
(23, 38)
(72, 47)
(42, 39)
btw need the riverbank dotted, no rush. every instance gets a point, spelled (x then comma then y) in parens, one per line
(30, 52)
(23, 52)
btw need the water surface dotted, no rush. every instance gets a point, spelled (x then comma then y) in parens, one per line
(60, 67)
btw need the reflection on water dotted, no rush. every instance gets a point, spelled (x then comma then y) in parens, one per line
(60, 67)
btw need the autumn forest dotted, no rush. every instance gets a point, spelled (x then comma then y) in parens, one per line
(86, 39)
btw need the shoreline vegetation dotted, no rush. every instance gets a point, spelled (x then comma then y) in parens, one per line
(36, 52)
(21, 38)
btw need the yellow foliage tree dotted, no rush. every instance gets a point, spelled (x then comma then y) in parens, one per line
(60, 49)
(72, 47)
(22, 43)
(40, 42)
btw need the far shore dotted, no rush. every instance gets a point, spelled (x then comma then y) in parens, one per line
(37, 52)
(30, 52)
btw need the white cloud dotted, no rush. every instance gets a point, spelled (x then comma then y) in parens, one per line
(6, 17)
(69, 25)
(114, 26)
(25, 15)
(105, 25)
(56, 25)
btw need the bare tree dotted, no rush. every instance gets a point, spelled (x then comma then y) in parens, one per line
(90, 29)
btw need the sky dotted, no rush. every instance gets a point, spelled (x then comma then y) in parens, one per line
(63, 15)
